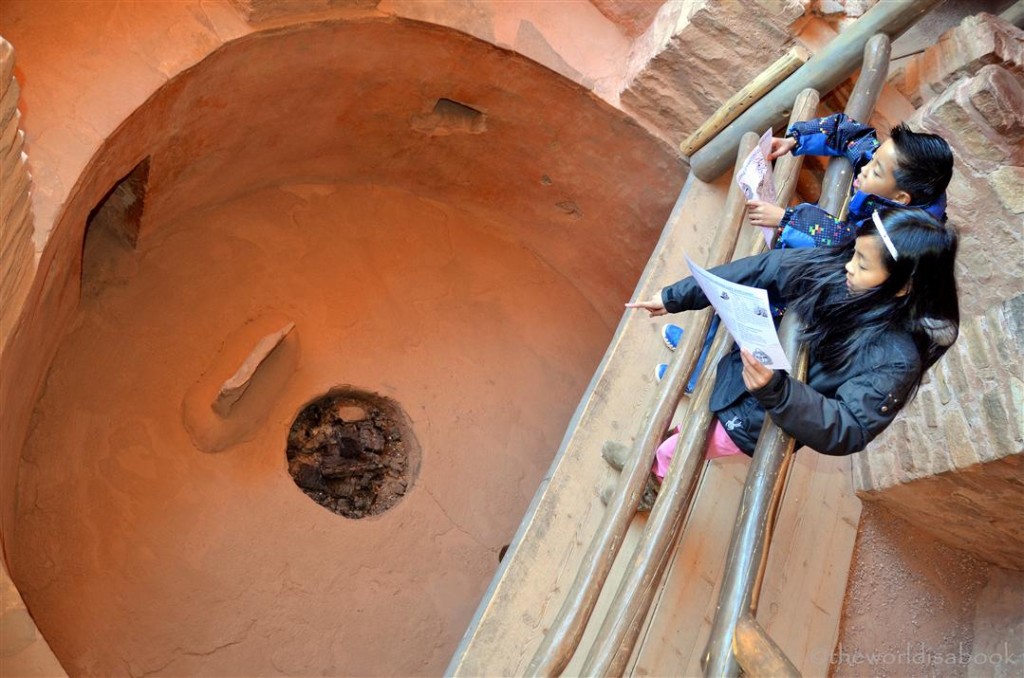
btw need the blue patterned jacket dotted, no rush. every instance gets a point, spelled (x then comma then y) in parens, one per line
(807, 225)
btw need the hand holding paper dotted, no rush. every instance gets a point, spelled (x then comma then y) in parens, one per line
(756, 179)
(781, 146)
(755, 375)
(764, 214)
(747, 315)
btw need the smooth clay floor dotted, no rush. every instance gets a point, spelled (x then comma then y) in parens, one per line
(139, 554)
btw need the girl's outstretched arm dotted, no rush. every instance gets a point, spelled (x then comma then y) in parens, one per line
(653, 306)
(769, 270)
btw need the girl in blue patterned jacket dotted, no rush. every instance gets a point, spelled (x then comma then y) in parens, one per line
(910, 169)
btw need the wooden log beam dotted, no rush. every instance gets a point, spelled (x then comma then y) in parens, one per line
(662, 530)
(614, 644)
(566, 630)
(1014, 14)
(758, 654)
(765, 82)
(835, 185)
(823, 72)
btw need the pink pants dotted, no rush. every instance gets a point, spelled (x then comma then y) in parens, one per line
(719, 445)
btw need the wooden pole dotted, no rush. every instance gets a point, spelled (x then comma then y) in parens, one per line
(796, 57)
(614, 646)
(677, 490)
(826, 69)
(744, 564)
(1014, 14)
(565, 631)
(758, 654)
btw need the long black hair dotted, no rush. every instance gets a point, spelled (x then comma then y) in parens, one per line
(919, 296)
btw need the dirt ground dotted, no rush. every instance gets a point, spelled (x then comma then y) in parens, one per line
(138, 554)
(910, 605)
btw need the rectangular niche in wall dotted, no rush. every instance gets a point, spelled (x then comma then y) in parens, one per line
(112, 231)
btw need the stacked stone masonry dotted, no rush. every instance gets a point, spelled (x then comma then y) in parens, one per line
(962, 51)
(633, 17)
(17, 254)
(983, 119)
(722, 47)
(23, 650)
(952, 463)
(841, 13)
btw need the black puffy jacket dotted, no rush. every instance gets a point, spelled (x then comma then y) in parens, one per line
(836, 412)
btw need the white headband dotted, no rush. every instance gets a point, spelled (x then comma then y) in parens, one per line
(884, 235)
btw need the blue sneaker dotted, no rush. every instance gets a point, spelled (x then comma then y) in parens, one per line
(672, 334)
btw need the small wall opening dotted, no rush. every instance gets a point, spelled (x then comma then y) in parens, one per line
(353, 453)
(450, 117)
(112, 231)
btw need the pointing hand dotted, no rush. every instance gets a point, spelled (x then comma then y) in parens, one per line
(653, 306)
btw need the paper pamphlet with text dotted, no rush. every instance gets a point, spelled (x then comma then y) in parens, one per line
(756, 179)
(746, 314)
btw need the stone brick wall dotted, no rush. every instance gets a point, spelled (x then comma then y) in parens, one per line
(633, 17)
(840, 13)
(952, 462)
(23, 650)
(710, 56)
(17, 254)
(977, 41)
(983, 120)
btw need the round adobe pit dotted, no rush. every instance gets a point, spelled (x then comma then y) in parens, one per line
(353, 453)
(459, 240)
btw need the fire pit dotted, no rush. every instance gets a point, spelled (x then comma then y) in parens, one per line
(353, 452)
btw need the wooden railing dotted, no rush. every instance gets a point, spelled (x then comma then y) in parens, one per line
(748, 550)
(736, 636)
(566, 630)
(617, 635)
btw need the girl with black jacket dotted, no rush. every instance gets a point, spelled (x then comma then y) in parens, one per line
(878, 311)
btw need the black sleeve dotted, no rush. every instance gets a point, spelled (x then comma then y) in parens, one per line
(769, 270)
(862, 408)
